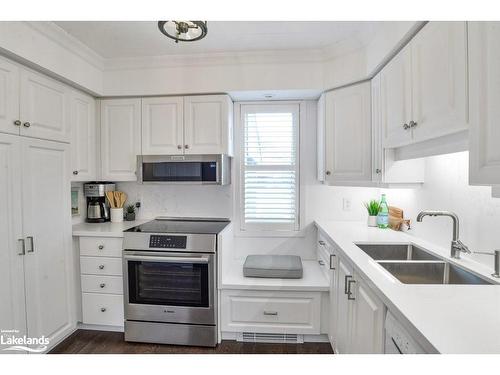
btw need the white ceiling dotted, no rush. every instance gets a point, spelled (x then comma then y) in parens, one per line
(131, 39)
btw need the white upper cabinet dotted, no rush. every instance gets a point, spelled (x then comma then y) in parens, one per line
(395, 100)
(44, 107)
(12, 307)
(83, 137)
(424, 87)
(162, 126)
(348, 134)
(439, 80)
(120, 138)
(208, 124)
(484, 101)
(9, 98)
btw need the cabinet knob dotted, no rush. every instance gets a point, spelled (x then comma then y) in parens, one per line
(406, 126)
(102, 285)
(328, 173)
(17, 123)
(103, 309)
(100, 247)
(101, 267)
(75, 172)
(26, 124)
(179, 147)
(186, 146)
(412, 124)
(378, 171)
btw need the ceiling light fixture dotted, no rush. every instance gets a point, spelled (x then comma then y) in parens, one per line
(184, 31)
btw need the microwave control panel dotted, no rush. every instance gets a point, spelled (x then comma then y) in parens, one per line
(167, 242)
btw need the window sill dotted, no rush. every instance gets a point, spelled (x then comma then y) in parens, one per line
(270, 233)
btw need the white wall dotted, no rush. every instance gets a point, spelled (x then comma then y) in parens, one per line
(446, 188)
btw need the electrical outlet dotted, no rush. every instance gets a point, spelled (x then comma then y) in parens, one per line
(346, 204)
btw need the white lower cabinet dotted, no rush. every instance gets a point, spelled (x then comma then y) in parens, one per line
(36, 284)
(102, 281)
(356, 320)
(270, 311)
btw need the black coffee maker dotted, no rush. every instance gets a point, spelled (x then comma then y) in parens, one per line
(97, 205)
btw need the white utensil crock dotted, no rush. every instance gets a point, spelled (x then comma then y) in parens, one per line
(117, 215)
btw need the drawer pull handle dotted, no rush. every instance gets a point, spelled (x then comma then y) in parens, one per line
(321, 262)
(346, 282)
(102, 285)
(322, 243)
(103, 309)
(331, 261)
(101, 267)
(101, 247)
(349, 291)
(273, 313)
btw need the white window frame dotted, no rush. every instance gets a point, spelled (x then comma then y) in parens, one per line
(265, 230)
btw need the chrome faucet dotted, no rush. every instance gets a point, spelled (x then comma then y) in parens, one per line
(457, 246)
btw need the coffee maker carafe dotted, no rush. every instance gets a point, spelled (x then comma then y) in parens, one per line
(97, 205)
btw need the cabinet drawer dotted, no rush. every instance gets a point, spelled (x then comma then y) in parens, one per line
(101, 246)
(271, 312)
(102, 284)
(101, 266)
(104, 309)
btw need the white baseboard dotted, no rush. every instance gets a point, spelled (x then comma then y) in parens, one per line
(307, 338)
(97, 327)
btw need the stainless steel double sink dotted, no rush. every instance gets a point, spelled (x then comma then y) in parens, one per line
(411, 264)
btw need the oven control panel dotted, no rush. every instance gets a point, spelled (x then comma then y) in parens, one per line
(167, 242)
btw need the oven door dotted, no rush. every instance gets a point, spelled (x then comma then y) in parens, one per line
(169, 287)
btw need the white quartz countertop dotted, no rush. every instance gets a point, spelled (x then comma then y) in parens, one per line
(313, 279)
(443, 318)
(105, 229)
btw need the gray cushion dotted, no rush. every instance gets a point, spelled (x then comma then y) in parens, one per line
(273, 266)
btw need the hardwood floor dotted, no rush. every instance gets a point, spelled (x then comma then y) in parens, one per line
(103, 342)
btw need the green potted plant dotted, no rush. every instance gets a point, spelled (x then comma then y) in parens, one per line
(373, 208)
(130, 214)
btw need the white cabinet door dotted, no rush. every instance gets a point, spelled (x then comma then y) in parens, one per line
(120, 138)
(377, 149)
(484, 99)
(83, 137)
(47, 231)
(208, 125)
(344, 308)
(348, 134)
(395, 100)
(12, 307)
(367, 335)
(9, 98)
(334, 295)
(162, 126)
(320, 139)
(44, 108)
(439, 80)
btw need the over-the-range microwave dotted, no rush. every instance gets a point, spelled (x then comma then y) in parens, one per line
(184, 169)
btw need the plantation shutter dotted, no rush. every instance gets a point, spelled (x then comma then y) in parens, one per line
(269, 166)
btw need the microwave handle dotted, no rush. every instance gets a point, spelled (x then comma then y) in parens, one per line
(147, 258)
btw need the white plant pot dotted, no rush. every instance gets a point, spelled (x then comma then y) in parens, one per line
(117, 215)
(372, 221)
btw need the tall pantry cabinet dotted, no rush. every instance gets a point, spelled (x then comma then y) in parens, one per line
(36, 283)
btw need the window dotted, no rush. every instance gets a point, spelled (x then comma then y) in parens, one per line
(269, 167)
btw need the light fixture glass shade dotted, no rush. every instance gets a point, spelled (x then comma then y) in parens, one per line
(184, 31)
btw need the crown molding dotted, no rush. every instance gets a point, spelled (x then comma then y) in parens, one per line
(217, 59)
(68, 42)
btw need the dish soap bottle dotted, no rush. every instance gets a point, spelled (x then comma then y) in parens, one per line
(383, 214)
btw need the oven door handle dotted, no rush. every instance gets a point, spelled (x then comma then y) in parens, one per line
(198, 260)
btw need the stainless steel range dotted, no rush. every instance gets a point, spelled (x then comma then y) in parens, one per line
(170, 277)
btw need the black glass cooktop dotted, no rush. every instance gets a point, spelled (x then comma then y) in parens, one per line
(182, 225)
